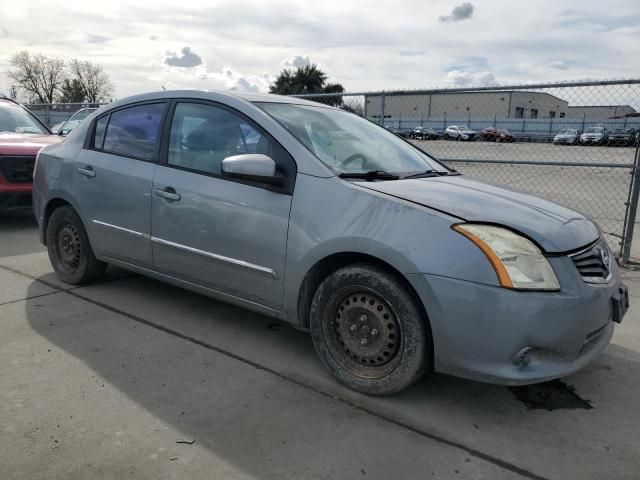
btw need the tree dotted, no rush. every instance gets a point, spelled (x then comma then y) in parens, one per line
(71, 92)
(40, 76)
(354, 105)
(306, 80)
(94, 80)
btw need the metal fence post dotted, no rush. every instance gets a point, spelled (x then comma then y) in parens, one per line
(632, 208)
(382, 109)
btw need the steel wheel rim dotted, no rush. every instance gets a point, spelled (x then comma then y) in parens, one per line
(365, 332)
(68, 246)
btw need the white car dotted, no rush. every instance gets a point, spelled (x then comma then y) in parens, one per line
(569, 136)
(594, 136)
(460, 133)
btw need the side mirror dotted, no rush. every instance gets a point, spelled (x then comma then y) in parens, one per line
(252, 166)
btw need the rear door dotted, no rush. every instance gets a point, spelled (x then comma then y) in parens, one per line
(113, 180)
(226, 234)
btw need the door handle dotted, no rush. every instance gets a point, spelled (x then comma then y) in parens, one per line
(87, 171)
(169, 193)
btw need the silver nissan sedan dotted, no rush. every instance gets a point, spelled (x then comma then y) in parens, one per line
(396, 264)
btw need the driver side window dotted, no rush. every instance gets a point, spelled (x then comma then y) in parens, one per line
(204, 135)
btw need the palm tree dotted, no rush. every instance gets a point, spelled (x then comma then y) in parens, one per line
(306, 80)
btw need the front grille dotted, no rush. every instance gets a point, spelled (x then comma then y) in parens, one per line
(594, 263)
(17, 169)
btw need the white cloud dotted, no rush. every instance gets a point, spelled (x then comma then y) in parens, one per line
(461, 78)
(513, 42)
(559, 64)
(296, 61)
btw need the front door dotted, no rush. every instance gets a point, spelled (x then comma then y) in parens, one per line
(113, 180)
(218, 232)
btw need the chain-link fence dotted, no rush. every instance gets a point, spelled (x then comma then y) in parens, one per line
(52, 114)
(572, 143)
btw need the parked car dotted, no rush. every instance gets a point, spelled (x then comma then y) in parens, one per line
(491, 134)
(594, 136)
(622, 137)
(460, 133)
(424, 133)
(22, 135)
(64, 128)
(568, 136)
(397, 131)
(395, 263)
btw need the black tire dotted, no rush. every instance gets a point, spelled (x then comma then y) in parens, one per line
(69, 249)
(371, 299)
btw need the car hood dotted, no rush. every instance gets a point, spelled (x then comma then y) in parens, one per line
(25, 143)
(555, 228)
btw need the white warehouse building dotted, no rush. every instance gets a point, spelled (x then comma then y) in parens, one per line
(512, 104)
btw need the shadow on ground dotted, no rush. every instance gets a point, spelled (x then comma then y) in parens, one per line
(215, 373)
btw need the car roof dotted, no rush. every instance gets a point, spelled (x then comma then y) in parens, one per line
(6, 100)
(215, 95)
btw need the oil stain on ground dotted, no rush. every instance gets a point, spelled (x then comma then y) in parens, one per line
(553, 395)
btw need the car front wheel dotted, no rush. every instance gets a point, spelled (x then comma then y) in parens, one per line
(69, 249)
(369, 330)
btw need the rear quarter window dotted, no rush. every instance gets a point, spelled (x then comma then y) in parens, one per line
(101, 128)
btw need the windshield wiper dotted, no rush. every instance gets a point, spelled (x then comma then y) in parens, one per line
(370, 175)
(430, 173)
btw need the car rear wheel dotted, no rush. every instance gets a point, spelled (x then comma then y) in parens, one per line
(69, 249)
(369, 330)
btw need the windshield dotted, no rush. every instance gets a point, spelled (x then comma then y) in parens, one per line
(348, 143)
(594, 130)
(568, 132)
(464, 129)
(15, 119)
(75, 120)
(82, 114)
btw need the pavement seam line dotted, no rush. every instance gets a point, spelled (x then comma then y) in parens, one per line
(29, 298)
(399, 423)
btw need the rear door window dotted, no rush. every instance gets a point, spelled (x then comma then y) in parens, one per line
(134, 131)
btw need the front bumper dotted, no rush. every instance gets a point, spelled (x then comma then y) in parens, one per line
(14, 195)
(481, 332)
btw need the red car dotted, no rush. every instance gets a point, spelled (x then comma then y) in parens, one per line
(491, 134)
(22, 136)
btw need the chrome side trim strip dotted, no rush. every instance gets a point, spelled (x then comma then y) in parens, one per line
(222, 258)
(126, 230)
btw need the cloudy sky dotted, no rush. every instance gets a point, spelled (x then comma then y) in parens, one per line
(363, 45)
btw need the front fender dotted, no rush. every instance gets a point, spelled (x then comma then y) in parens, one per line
(330, 216)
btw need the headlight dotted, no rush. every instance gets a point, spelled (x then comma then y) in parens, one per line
(517, 261)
